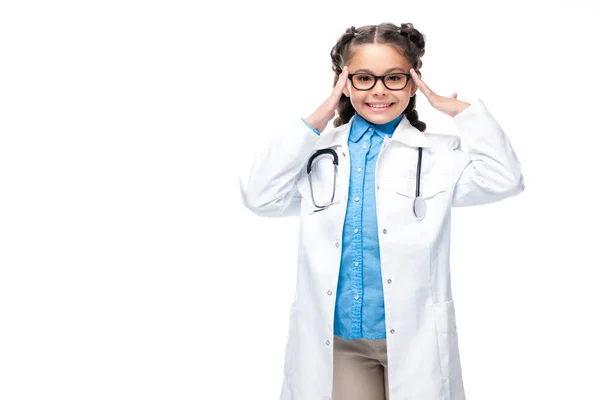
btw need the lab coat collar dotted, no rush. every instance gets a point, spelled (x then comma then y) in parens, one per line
(404, 133)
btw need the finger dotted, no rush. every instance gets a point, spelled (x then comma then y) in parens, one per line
(454, 95)
(339, 87)
(422, 86)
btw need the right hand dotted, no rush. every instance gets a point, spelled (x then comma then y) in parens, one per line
(326, 111)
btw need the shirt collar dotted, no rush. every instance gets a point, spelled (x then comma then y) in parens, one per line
(360, 126)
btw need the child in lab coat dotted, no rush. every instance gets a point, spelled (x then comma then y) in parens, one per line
(377, 76)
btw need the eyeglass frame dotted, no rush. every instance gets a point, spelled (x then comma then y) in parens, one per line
(378, 77)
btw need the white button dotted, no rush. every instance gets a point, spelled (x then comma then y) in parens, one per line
(359, 170)
(356, 264)
(384, 230)
(392, 331)
(364, 146)
(329, 292)
(356, 297)
(356, 198)
(389, 281)
(370, 129)
(355, 230)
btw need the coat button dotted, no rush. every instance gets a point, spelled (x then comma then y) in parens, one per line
(359, 169)
(392, 331)
(337, 244)
(344, 154)
(389, 281)
(329, 292)
(327, 342)
(384, 230)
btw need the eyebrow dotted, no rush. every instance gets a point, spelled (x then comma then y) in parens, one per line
(371, 72)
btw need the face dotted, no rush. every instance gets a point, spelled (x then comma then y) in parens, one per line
(379, 59)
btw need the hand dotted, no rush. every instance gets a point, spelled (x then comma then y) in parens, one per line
(326, 111)
(448, 105)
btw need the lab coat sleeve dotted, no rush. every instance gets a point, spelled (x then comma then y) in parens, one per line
(490, 170)
(269, 187)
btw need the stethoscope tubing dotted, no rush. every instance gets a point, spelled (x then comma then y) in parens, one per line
(419, 206)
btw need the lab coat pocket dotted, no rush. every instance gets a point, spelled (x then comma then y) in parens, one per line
(431, 186)
(433, 191)
(447, 339)
(290, 346)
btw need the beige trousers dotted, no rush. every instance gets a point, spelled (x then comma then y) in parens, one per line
(359, 369)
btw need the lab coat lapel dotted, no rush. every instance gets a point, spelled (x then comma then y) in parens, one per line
(409, 135)
(335, 137)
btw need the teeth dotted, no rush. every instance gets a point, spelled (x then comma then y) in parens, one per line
(379, 105)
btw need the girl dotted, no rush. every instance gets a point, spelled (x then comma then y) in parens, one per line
(373, 316)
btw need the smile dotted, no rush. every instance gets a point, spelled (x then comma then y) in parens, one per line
(379, 107)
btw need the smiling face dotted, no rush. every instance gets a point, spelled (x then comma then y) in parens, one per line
(379, 59)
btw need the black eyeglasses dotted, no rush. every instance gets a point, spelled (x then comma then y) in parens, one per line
(364, 81)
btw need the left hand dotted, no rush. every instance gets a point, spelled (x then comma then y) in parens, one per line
(448, 105)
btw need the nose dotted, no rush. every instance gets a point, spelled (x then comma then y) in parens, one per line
(379, 87)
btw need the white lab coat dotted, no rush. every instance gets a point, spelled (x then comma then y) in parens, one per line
(422, 346)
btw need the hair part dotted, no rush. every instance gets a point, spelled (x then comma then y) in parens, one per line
(409, 42)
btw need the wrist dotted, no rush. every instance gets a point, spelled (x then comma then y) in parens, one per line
(314, 122)
(461, 107)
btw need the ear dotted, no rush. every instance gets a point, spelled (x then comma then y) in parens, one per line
(413, 87)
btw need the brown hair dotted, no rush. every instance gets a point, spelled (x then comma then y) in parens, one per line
(410, 44)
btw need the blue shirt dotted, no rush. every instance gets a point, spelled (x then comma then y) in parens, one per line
(359, 307)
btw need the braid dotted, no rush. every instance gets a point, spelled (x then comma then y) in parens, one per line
(415, 42)
(413, 116)
(339, 56)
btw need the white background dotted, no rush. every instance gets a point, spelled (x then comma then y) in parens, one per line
(129, 268)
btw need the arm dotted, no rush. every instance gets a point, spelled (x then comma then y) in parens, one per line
(490, 170)
(268, 188)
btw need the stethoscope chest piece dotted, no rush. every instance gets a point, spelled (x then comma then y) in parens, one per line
(419, 208)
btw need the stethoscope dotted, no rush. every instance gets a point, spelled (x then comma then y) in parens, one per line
(419, 206)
